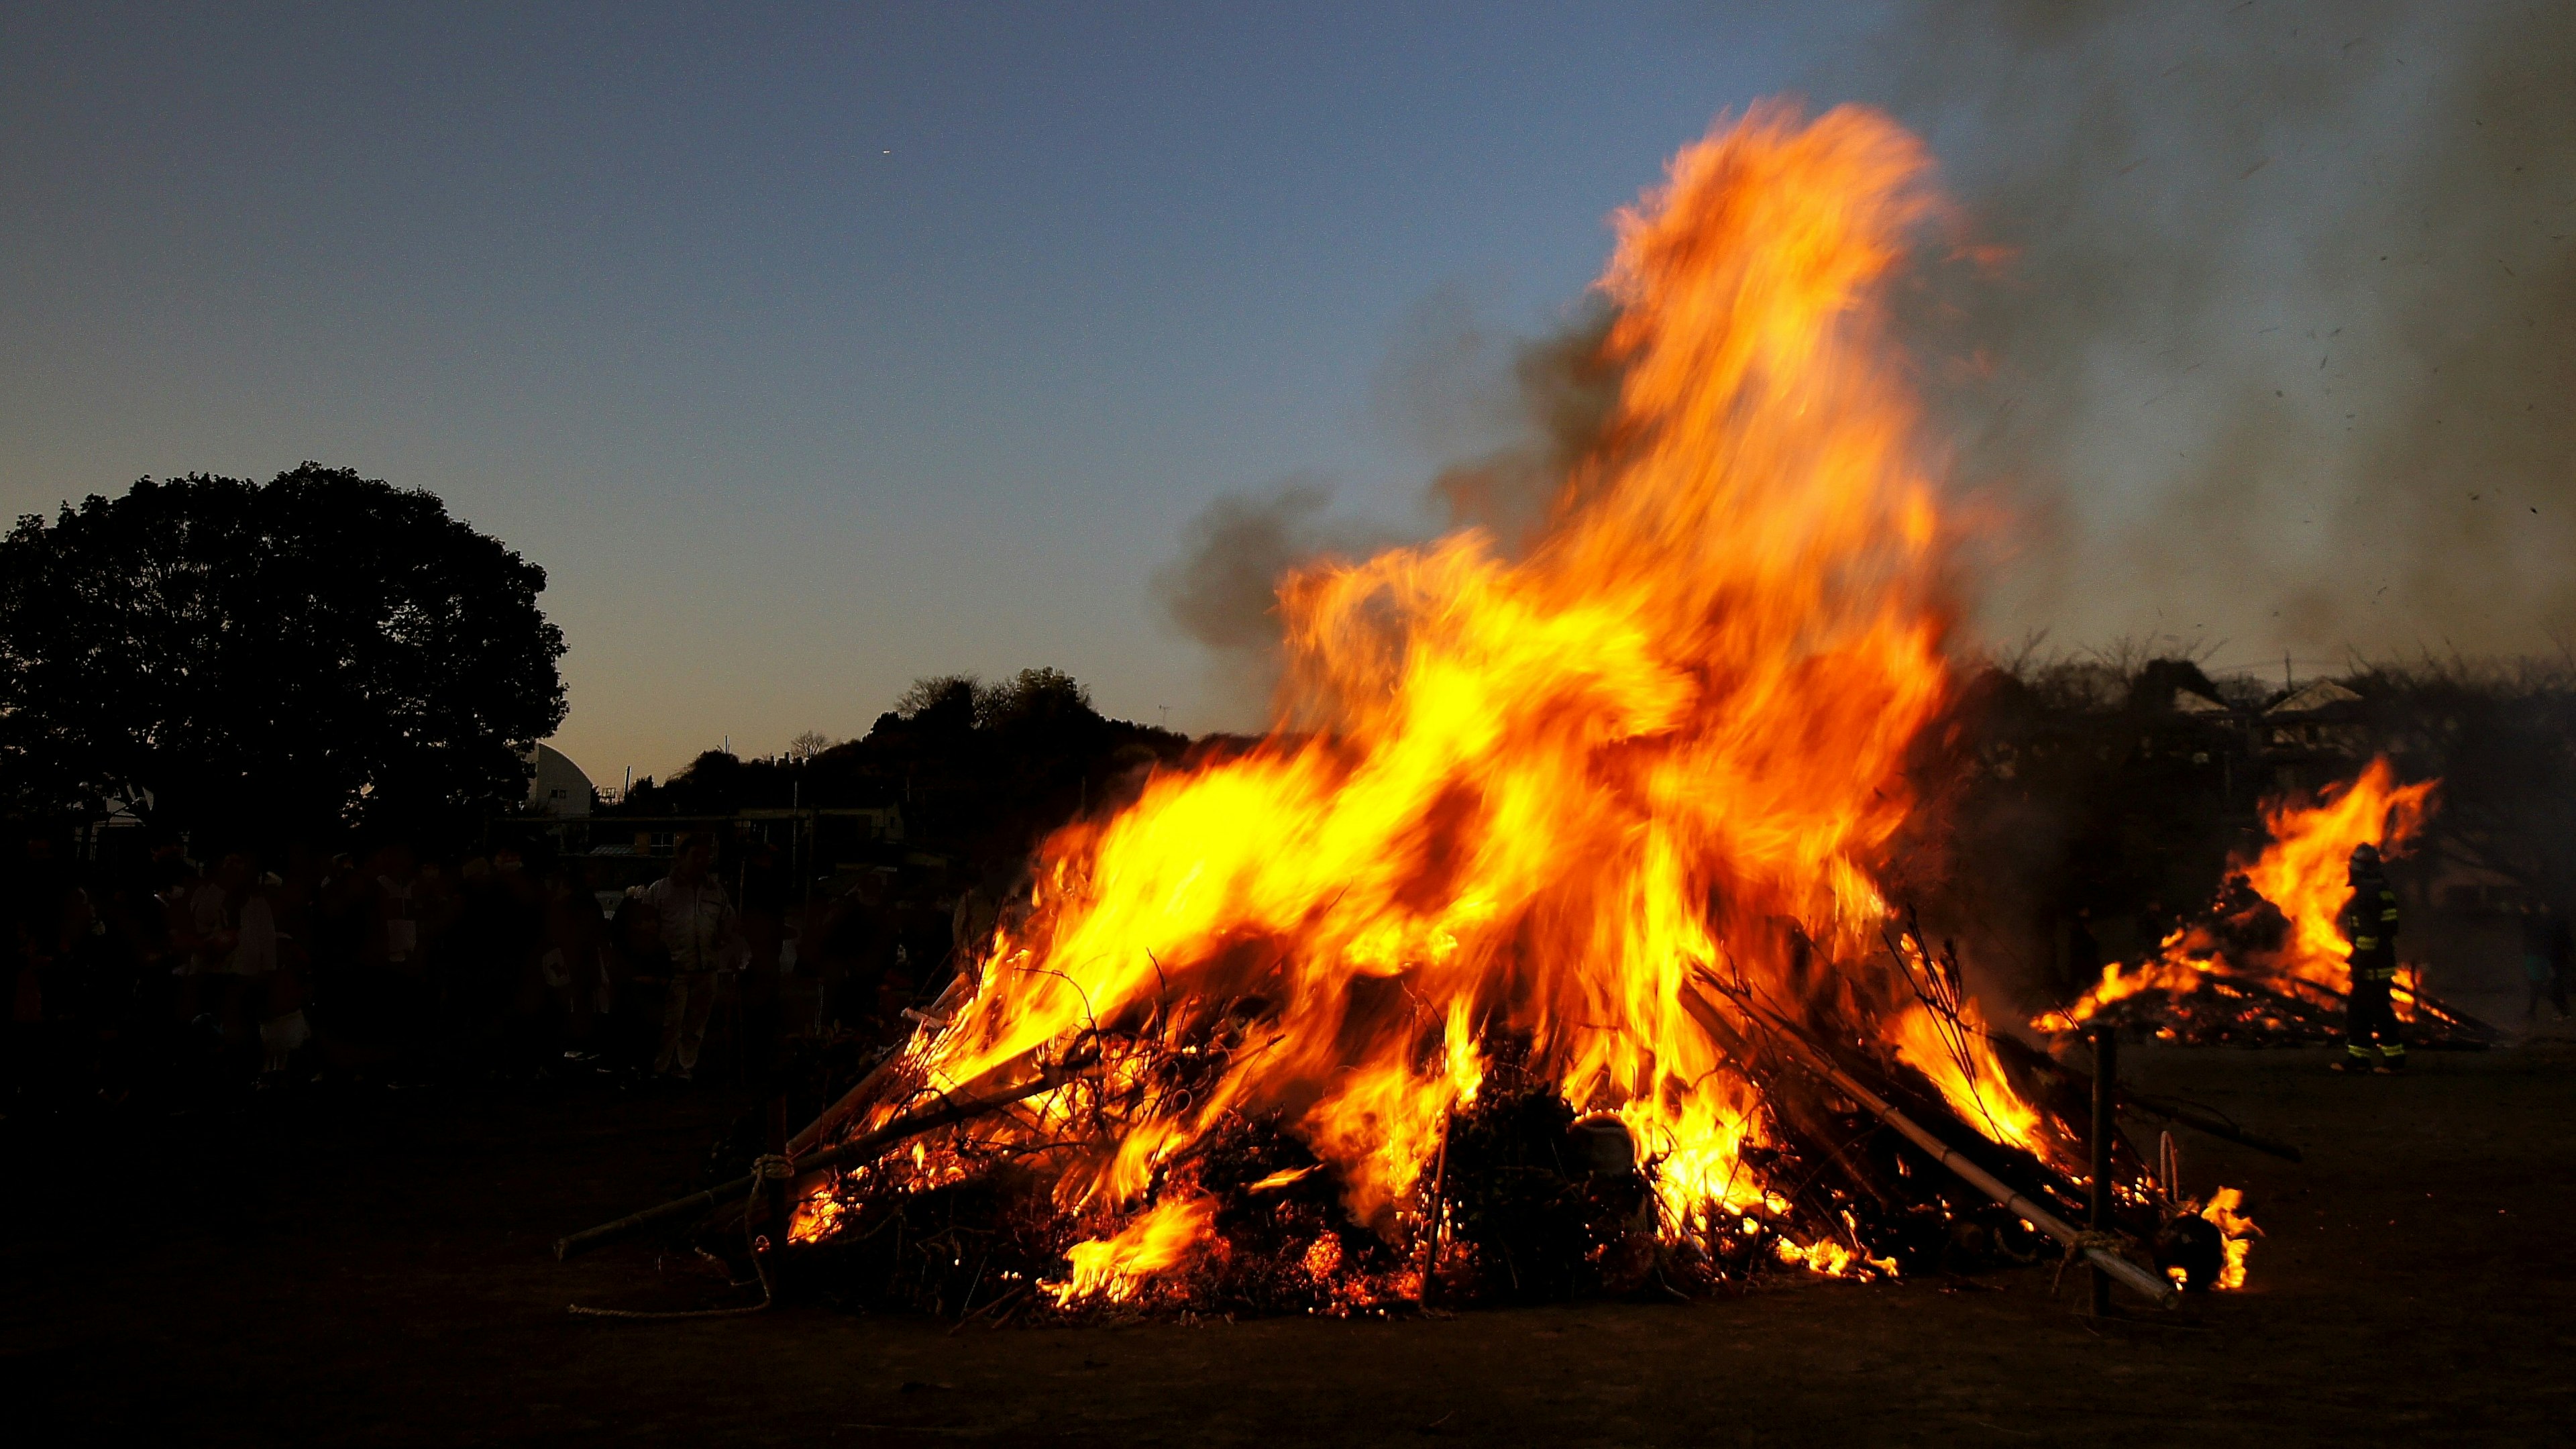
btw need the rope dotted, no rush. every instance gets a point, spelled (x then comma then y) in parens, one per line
(2075, 1248)
(769, 1167)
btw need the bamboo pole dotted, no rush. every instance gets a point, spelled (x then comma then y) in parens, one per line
(2154, 1288)
(2149, 1284)
(857, 1150)
(859, 1096)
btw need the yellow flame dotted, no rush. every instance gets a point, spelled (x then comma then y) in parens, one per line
(1114, 1268)
(1551, 793)
(2237, 1229)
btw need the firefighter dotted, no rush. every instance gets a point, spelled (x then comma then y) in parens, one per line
(2370, 924)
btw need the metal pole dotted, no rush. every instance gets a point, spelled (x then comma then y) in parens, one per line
(2106, 1075)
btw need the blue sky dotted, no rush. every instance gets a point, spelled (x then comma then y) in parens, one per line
(811, 349)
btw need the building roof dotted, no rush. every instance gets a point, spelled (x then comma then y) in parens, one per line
(2315, 696)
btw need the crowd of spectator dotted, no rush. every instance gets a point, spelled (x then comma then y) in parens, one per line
(161, 977)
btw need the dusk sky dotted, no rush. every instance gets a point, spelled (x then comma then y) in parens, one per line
(814, 349)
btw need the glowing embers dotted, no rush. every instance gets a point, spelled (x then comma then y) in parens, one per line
(1834, 1260)
(815, 1217)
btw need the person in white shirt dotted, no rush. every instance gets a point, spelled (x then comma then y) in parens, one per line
(214, 908)
(208, 918)
(700, 933)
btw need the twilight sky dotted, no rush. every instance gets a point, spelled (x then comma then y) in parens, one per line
(814, 349)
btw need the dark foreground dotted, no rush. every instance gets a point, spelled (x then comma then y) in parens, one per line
(374, 1271)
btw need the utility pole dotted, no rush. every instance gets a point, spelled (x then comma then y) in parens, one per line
(2106, 1066)
(2287, 683)
(1167, 714)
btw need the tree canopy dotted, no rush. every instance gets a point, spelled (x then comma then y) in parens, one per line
(316, 651)
(980, 768)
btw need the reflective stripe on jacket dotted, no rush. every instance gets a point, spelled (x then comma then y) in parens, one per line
(2370, 924)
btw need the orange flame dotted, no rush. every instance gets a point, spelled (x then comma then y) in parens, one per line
(1115, 1268)
(1552, 794)
(1961, 1061)
(2237, 1229)
(2304, 873)
(815, 1216)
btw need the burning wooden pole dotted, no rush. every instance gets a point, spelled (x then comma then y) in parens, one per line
(857, 1150)
(2077, 1241)
(830, 1118)
(2154, 1288)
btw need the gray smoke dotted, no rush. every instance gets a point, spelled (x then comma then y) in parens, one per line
(1222, 590)
(2285, 349)
(1519, 410)
(1557, 394)
(2280, 349)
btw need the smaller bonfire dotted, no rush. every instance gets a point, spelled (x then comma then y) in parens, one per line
(2264, 965)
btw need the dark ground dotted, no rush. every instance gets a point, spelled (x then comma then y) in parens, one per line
(375, 1272)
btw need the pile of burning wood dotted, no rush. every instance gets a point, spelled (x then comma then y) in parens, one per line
(2264, 965)
(1546, 945)
(943, 1207)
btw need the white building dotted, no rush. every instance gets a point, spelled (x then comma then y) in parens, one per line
(558, 787)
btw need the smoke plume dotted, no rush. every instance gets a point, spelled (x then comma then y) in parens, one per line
(2283, 351)
(2261, 322)
(1222, 591)
(1521, 410)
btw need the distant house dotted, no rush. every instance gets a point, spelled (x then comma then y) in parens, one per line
(2321, 716)
(2315, 736)
(558, 786)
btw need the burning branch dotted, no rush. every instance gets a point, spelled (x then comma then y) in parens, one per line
(857, 1151)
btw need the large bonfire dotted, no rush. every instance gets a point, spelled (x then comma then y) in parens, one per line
(1543, 851)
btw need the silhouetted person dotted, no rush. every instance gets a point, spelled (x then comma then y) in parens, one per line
(575, 963)
(2083, 953)
(701, 935)
(765, 907)
(857, 946)
(2544, 959)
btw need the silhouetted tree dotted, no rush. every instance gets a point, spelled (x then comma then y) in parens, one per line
(319, 649)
